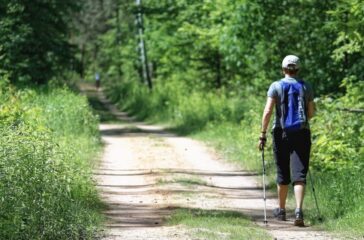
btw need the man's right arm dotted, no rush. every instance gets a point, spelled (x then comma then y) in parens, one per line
(268, 110)
(265, 121)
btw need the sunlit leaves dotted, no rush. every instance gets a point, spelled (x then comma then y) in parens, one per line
(45, 184)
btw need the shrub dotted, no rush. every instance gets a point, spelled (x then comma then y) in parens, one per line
(338, 153)
(48, 138)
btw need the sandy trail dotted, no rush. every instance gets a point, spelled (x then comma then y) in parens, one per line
(141, 175)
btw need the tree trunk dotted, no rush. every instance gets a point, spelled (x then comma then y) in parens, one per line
(82, 61)
(118, 40)
(218, 70)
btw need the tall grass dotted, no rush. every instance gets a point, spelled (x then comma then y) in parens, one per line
(231, 122)
(47, 140)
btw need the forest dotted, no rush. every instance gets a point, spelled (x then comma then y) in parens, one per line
(203, 67)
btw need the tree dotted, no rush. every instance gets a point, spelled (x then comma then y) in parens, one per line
(34, 38)
(348, 27)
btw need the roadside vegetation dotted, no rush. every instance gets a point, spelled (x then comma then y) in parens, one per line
(49, 136)
(49, 140)
(211, 63)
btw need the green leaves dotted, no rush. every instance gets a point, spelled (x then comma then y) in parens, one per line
(348, 28)
(34, 39)
(338, 145)
(234, 44)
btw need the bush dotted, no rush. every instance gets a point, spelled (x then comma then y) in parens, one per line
(337, 156)
(48, 138)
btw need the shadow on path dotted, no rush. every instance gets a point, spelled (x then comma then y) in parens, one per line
(134, 132)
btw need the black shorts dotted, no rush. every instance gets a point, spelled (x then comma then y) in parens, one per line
(292, 155)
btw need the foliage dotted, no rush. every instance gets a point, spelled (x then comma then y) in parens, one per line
(347, 24)
(235, 45)
(34, 39)
(189, 109)
(339, 145)
(338, 153)
(48, 137)
(90, 22)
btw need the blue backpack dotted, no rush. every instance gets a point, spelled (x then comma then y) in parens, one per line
(293, 107)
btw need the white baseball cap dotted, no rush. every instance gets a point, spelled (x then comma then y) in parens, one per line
(291, 61)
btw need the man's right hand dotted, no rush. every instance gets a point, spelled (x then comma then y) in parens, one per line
(262, 141)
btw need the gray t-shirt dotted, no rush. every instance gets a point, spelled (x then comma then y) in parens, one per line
(275, 91)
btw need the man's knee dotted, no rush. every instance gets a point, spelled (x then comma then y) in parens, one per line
(303, 183)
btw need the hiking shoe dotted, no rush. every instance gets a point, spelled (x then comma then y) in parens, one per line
(279, 214)
(299, 218)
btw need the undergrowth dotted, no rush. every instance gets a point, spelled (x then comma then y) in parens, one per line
(48, 138)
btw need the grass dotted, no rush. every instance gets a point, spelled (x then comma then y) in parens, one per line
(348, 224)
(186, 181)
(99, 109)
(215, 224)
(48, 148)
(234, 142)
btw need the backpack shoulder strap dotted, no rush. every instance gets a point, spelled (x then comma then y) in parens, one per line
(283, 98)
(303, 90)
(303, 97)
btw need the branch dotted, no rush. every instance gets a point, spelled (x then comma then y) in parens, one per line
(352, 110)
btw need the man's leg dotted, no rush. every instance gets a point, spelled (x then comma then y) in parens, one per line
(282, 195)
(300, 163)
(299, 193)
(280, 212)
(281, 156)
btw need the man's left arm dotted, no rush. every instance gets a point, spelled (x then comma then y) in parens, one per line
(311, 103)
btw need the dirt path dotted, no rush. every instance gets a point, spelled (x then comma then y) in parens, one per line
(141, 178)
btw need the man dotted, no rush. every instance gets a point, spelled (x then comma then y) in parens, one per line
(293, 101)
(97, 80)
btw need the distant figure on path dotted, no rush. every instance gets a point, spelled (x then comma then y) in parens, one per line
(97, 80)
(294, 107)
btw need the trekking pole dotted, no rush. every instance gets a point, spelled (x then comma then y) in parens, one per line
(264, 195)
(314, 195)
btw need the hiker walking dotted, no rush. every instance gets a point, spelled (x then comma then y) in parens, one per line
(293, 102)
(97, 80)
